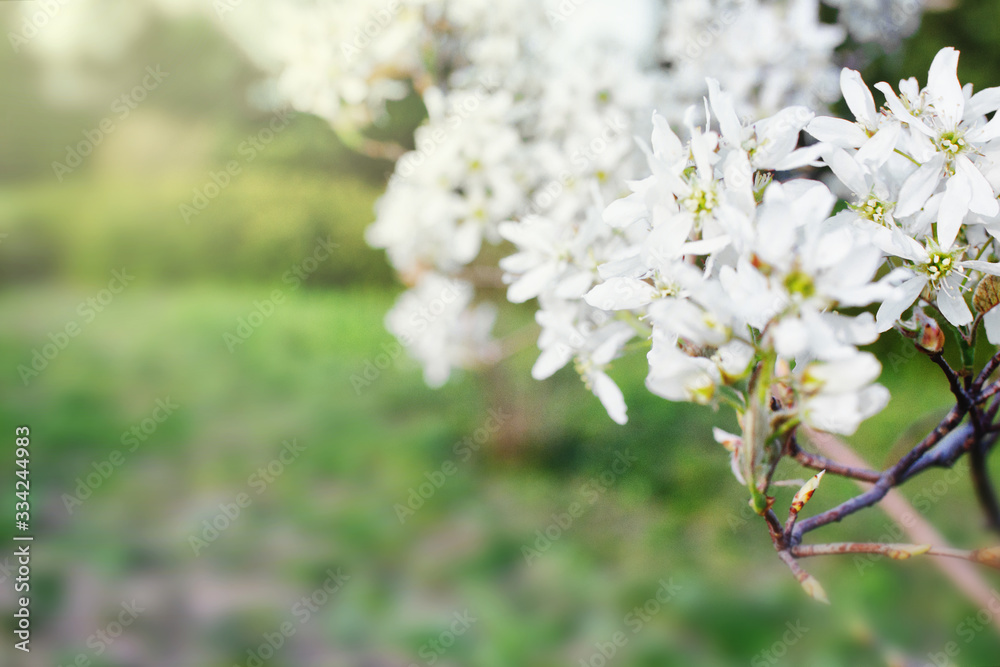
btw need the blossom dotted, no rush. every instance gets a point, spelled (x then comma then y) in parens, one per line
(945, 141)
(938, 274)
(439, 328)
(837, 396)
(574, 331)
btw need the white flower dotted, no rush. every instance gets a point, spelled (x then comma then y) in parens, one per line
(437, 324)
(946, 140)
(938, 274)
(874, 135)
(574, 331)
(837, 396)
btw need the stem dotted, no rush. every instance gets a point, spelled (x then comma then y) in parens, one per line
(886, 481)
(988, 369)
(908, 157)
(985, 492)
(357, 142)
(953, 383)
(895, 551)
(989, 391)
(820, 462)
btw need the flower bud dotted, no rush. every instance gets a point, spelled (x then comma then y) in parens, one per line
(806, 492)
(987, 294)
(929, 337)
(989, 556)
(904, 551)
(814, 590)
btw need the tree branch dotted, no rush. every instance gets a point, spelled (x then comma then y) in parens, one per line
(953, 381)
(965, 575)
(987, 371)
(820, 462)
(895, 551)
(981, 482)
(888, 479)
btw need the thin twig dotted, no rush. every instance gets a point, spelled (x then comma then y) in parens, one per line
(820, 462)
(956, 389)
(886, 480)
(895, 551)
(965, 575)
(985, 493)
(987, 371)
(988, 392)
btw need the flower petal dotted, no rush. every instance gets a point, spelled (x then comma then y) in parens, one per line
(920, 186)
(991, 320)
(610, 395)
(859, 99)
(891, 309)
(951, 304)
(983, 199)
(836, 131)
(954, 208)
(943, 87)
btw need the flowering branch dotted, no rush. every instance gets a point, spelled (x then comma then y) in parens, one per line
(941, 447)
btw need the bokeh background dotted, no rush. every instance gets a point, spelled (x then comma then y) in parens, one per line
(673, 522)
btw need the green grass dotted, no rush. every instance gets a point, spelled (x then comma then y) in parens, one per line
(674, 514)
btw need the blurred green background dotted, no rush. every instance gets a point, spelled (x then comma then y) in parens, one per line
(674, 517)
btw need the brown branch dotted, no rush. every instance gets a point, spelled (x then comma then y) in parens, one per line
(989, 392)
(953, 380)
(981, 484)
(966, 577)
(886, 480)
(820, 462)
(987, 371)
(985, 493)
(896, 551)
(941, 447)
(774, 527)
(806, 580)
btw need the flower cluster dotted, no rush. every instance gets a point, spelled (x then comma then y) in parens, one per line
(922, 179)
(746, 288)
(745, 283)
(533, 132)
